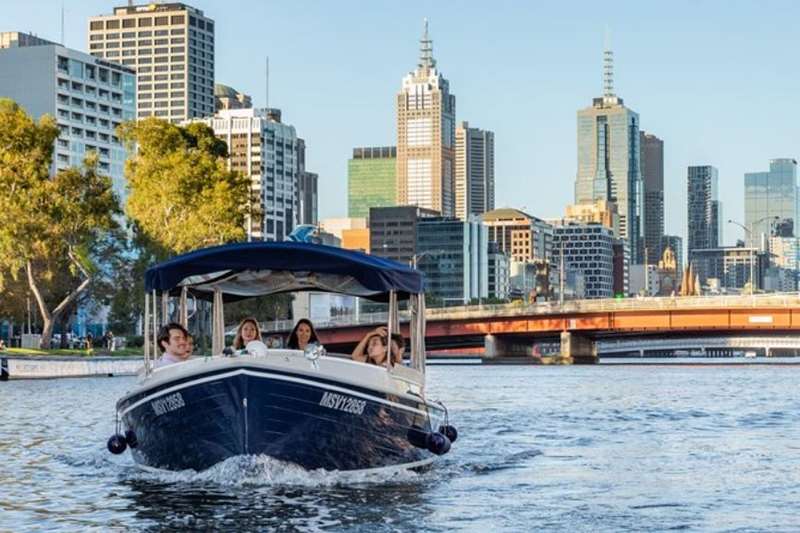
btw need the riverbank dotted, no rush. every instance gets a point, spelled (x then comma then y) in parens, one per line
(95, 352)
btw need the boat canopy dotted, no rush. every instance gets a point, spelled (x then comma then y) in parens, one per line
(245, 270)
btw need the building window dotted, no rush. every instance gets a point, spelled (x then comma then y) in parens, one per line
(420, 132)
(162, 21)
(144, 22)
(128, 23)
(112, 24)
(96, 25)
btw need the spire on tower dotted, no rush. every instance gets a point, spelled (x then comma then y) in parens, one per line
(608, 68)
(426, 59)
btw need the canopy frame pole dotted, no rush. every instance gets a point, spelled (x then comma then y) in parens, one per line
(391, 326)
(217, 324)
(421, 326)
(164, 308)
(183, 309)
(147, 366)
(156, 348)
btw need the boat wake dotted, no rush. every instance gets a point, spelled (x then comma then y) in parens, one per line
(261, 470)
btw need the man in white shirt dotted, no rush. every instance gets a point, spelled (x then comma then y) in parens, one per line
(172, 343)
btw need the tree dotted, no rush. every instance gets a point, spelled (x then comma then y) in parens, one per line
(50, 228)
(182, 196)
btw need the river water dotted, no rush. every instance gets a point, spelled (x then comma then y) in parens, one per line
(593, 448)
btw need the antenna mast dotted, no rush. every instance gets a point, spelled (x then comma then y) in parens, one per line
(608, 68)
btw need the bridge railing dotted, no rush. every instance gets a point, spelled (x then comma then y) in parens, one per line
(778, 300)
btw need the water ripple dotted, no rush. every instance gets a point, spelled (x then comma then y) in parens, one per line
(578, 449)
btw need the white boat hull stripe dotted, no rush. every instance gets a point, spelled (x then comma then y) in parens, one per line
(279, 377)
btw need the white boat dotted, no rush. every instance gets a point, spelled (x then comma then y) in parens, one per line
(317, 410)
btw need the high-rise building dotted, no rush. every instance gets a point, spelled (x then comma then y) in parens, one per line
(499, 274)
(267, 150)
(652, 166)
(704, 209)
(523, 237)
(474, 180)
(87, 96)
(371, 180)
(18, 39)
(171, 46)
(453, 254)
(229, 98)
(771, 201)
(730, 267)
(307, 185)
(785, 258)
(353, 232)
(589, 249)
(393, 231)
(426, 117)
(608, 159)
(600, 212)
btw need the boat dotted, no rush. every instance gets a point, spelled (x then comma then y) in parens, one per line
(310, 408)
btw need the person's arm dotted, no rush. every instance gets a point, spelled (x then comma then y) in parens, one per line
(359, 352)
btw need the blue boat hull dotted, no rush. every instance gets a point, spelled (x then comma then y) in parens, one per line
(198, 421)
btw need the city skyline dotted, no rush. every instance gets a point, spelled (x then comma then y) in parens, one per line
(683, 91)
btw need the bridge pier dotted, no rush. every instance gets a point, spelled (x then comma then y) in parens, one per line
(578, 348)
(495, 346)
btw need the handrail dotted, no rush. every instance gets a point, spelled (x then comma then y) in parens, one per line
(781, 300)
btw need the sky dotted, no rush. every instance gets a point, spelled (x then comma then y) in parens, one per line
(716, 80)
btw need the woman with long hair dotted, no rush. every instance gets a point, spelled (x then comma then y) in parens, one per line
(302, 335)
(247, 331)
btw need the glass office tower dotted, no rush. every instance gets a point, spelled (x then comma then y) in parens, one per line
(772, 194)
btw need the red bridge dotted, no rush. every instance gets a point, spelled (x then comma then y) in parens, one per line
(508, 330)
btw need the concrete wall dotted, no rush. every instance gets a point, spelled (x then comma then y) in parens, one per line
(31, 367)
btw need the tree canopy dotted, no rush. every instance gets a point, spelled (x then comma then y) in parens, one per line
(53, 229)
(182, 196)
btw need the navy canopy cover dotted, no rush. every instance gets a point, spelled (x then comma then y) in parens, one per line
(250, 269)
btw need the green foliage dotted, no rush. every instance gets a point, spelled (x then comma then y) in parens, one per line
(182, 196)
(55, 229)
(26, 150)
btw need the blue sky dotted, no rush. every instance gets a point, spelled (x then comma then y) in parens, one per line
(716, 80)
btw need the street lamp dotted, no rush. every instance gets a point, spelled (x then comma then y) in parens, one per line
(416, 257)
(749, 231)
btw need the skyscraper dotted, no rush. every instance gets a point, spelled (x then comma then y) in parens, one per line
(589, 249)
(652, 165)
(474, 182)
(171, 46)
(453, 254)
(87, 96)
(267, 150)
(426, 115)
(704, 215)
(371, 180)
(772, 194)
(307, 189)
(608, 159)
